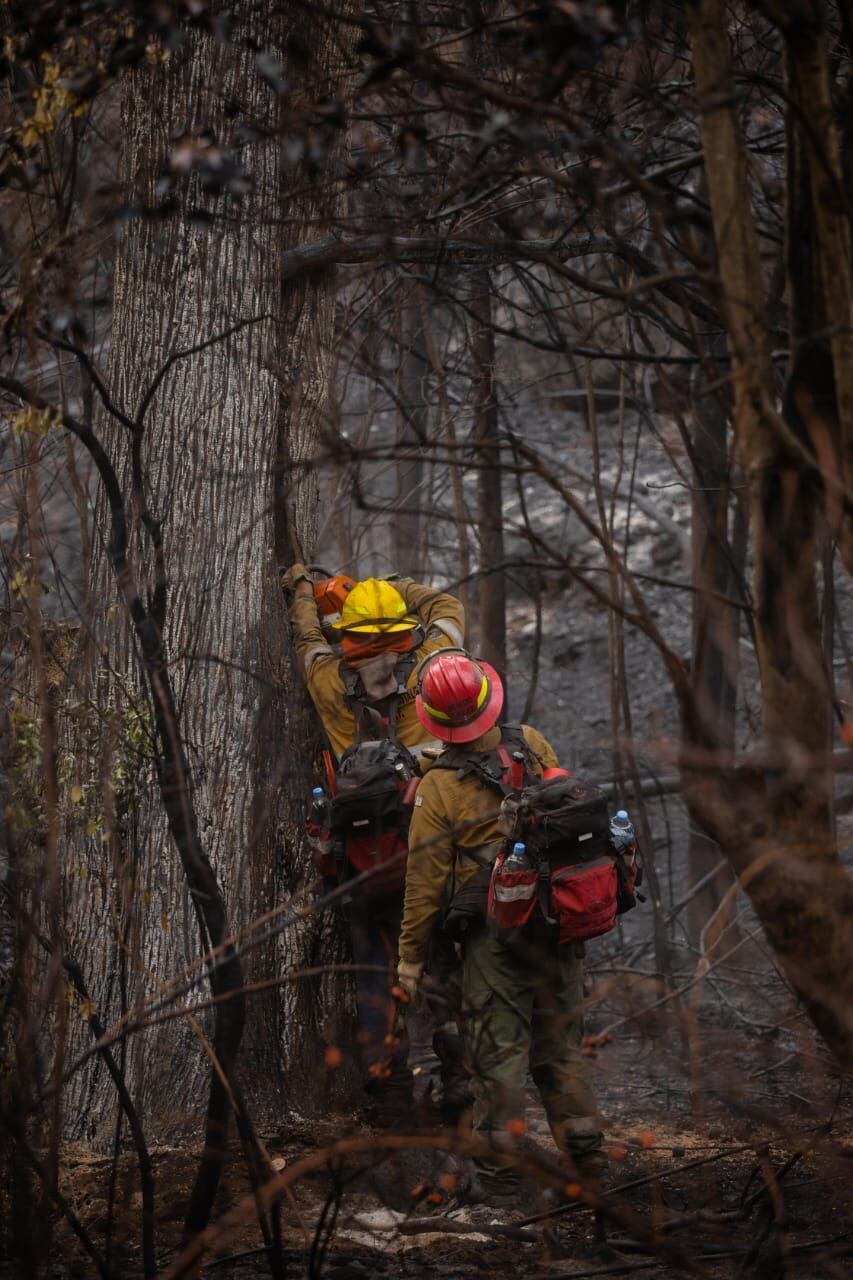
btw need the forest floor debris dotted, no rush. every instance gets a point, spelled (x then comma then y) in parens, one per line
(751, 1178)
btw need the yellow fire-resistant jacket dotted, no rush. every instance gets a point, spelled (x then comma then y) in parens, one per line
(450, 815)
(443, 620)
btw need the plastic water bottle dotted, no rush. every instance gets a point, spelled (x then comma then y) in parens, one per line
(621, 831)
(318, 806)
(517, 860)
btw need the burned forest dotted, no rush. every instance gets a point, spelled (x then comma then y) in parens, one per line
(426, 742)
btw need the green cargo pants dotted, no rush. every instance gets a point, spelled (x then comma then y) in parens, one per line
(522, 1009)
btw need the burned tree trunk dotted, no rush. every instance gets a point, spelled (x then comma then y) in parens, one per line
(208, 360)
(490, 520)
(774, 821)
(820, 263)
(412, 435)
(715, 623)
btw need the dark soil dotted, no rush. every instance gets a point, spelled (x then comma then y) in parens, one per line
(728, 1128)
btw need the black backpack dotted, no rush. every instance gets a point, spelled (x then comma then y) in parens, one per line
(572, 877)
(561, 821)
(363, 826)
(372, 779)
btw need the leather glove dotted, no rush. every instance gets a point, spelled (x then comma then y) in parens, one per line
(409, 977)
(297, 573)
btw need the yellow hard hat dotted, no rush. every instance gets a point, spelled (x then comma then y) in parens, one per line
(375, 607)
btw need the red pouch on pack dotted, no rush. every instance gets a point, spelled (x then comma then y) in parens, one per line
(512, 898)
(322, 846)
(385, 855)
(583, 899)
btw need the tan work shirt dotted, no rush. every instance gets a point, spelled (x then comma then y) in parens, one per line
(450, 815)
(443, 620)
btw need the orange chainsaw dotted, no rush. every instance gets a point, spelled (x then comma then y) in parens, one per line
(330, 594)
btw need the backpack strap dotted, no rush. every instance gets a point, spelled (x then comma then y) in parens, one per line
(490, 768)
(354, 695)
(401, 675)
(513, 742)
(485, 766)
(512, 737)
(402, 671)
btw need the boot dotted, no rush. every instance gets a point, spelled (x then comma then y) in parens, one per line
(475, 1189)
(455, 1097)
(592, 1166)
(390, 1099)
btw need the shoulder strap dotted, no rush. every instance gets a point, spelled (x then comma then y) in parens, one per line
(490, 768)
(486, 767)
(512, 737)
(351, 681)
(513, 740)
(354, 696)
(404, 668)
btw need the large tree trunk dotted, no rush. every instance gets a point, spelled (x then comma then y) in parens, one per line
(215, 433)
(413, 433)
(772, 822)
(820, 209)
(490, 518)
(715, 624)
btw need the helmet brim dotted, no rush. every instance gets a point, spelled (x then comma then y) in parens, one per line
(481, 723)
(368, 628)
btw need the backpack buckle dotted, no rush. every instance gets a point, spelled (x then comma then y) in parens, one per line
(544, 893)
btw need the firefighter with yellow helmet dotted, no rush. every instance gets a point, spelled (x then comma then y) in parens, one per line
(361, 671)
(386, 629)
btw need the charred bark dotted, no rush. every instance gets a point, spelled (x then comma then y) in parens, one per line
(773, 826)
(490, 526)
(208, 360)
(413, 436)
(715, 626)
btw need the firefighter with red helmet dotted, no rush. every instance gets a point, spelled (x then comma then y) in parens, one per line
(521, 1005)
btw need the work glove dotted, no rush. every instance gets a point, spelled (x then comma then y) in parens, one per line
(297, 573)
(409, 978)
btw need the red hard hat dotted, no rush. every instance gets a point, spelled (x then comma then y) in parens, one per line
(458, 699)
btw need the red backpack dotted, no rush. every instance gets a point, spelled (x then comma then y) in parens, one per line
(575, 882)
(362, 824)
(571, 878)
